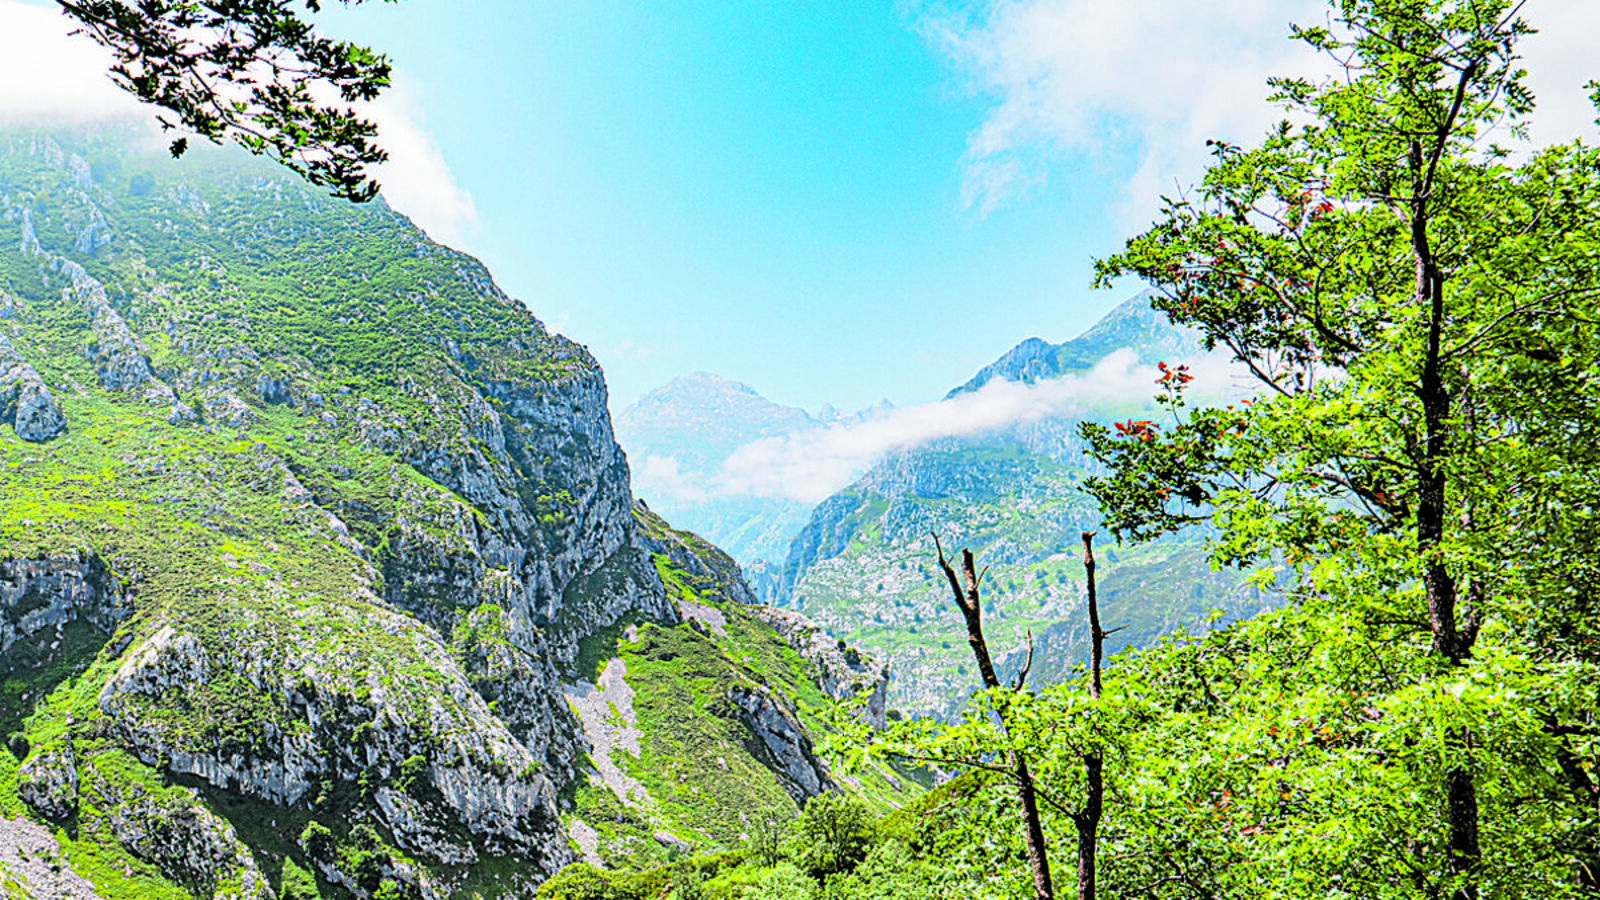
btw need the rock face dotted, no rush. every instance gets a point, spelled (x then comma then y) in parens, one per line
(1132, 325)
(843, 671)
(332, 514)
(25, 402)
(781, 743)
(48, 782)
(714, 572)
(39, 597)
(705, 729)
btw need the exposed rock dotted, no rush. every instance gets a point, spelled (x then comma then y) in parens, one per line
(48, 593)
(420, 832)
(190, 845)
(48, 781)
(716, 575)
(784, 747)
(478, 775)
(370, 583)
(843, 672)
(24, 399)
(609, 722)
(120, 361)
(588, 841)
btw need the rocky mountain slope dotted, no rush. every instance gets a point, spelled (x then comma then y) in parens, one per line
(864, 567)
(704, 732)
(306, 525)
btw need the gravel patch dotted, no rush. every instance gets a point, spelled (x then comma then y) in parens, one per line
(30, 860)
(606, 713)
(588, 841)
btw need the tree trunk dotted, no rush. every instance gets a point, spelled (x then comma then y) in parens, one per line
(968, 600)
(1088, 820)
(1463, 851)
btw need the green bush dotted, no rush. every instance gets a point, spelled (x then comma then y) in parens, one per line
(317, 840)
(784, 882)
(18, 745)
(832, 835)
(581, 881)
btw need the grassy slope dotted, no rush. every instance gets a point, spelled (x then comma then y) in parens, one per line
(217, 272)
(709, 790)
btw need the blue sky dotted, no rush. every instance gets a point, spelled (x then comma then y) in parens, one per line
(769, 191)
(833, 202)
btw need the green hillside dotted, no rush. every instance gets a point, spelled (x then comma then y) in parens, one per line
(306, 525)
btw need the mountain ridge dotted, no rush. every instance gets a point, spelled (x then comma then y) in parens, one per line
(291, 592)
(862, 568)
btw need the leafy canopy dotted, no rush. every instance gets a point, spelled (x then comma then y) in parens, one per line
(253, 72)
(1409, 291)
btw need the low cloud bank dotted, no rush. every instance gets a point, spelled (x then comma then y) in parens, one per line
(811, 465)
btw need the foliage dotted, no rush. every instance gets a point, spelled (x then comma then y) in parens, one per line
(896, 857)
(248, 72)
(1416, 471)
(831, 836)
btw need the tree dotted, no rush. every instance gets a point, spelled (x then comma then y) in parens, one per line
(832, 835)
(1418, 312)
(965, 592)
(253, 72)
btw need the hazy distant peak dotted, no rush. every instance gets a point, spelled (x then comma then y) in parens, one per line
(707, 381)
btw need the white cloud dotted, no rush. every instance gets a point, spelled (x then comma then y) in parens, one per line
(1157, 78)
(416, 179)
(661, 475)
(811, 465)
(1559, 60)
(1096, 78)
(49, 76)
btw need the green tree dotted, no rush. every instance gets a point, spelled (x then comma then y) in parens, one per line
(1417, 470)
(253, 72)
(832, 835)
(1417, 309)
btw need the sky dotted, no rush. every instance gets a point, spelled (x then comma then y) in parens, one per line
(832, 202)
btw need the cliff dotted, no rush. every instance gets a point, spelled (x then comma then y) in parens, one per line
(306, 524)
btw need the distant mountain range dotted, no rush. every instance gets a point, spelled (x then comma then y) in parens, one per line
(677, 436)
(861, 563)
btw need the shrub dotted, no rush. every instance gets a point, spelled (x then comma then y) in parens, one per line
(581, 881)
(832, 835)
(18, 744)
(784, 882)
(317, 840)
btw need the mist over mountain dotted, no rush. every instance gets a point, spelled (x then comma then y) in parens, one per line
(680, 435)
(864, 564)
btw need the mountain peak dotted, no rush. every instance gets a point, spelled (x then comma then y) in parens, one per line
(1133, 324)
(707, 381)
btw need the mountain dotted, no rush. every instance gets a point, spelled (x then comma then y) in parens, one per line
(678, 436)
(1133, 324)
(313, 544)
(700, 730)
(864, 566)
